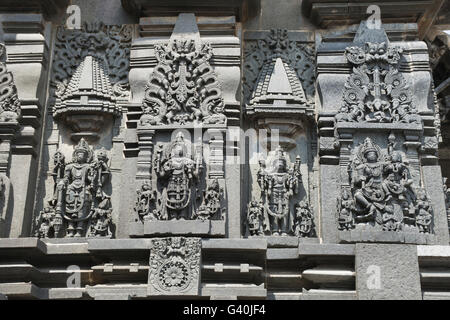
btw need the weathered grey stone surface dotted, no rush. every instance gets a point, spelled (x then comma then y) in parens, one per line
(342, 130)
(387, 271)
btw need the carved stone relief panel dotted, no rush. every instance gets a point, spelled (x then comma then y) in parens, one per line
(278, 87)
(174, 266)
(376, 91)
(382, 193)
(183, 88)
(90, 76)
(179, 192)
(80, 206)
(10, 116)
(274, 212)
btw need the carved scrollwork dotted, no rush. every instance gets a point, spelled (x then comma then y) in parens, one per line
(10, 110)
(382, 193)
(376, 91)
(183, 88)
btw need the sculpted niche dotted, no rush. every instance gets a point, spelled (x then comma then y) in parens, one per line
(79, 206)
(274, 213)
(179, 175)
(382, 193)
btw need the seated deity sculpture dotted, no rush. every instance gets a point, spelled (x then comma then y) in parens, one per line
(382, 192)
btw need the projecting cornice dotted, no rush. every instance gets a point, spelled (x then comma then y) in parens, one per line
(327, 13)
(47, 7)
(242, 9)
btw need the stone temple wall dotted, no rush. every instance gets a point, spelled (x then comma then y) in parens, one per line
(224, 149)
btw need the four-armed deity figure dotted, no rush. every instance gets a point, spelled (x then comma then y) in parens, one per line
(81, 187)
(278, 184)
(177, 172)
(367, 179)
(383, 191)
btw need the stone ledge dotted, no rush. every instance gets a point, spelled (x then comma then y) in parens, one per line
(369, 236)
(327, 249)
(210, 228)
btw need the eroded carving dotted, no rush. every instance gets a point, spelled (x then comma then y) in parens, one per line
(79, 207)
(174, 266)
(376, 90)
(382, 193)
(183, 88)
(10, 110)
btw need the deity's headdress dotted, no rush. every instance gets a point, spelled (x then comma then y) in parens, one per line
(280, 155)
(368, 146)
(83, 146)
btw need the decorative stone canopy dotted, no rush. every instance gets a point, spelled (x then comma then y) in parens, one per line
(90, 76)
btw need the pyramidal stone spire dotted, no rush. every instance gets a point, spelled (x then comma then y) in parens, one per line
(279, 81)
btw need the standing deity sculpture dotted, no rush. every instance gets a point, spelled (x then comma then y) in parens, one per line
(177, 172)
(211, 204)
(304, 220)
(279, 183)
(424, 212)
(79, 204)
(255, 218)
(146, 197)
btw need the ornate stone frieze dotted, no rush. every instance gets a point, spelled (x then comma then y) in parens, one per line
(10, 110)
(376, 91)
(79, 206)
(183, 87)
(382, 193)
(274, 213)
(179, 175)
(174, 266)
(10, 115)
(90, 75)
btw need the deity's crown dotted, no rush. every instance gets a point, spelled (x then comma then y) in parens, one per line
(179, 137)
(82, 146)
(368, 146)
(280, 155)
